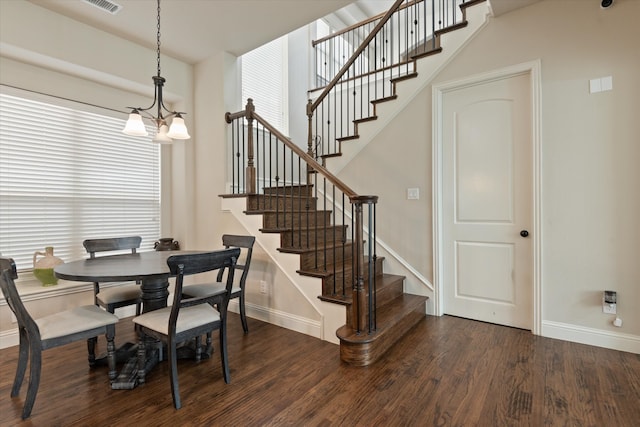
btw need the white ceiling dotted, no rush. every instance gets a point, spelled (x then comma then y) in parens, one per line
(192, 30)
(500, 7)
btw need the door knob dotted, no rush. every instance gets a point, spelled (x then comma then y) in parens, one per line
(524, 233)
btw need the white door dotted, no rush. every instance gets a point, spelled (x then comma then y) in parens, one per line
(487, 206)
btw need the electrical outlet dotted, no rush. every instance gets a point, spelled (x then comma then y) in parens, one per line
(264, 288)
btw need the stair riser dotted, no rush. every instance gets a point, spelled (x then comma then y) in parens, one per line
(296, 219)
(345, 278)
(272, 202)
(301, 190)
(312, 238)
(322, 258)
(389, 293)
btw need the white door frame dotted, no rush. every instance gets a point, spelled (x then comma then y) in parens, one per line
(533, 69)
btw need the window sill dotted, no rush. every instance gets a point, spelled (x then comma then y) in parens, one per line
(30, 289)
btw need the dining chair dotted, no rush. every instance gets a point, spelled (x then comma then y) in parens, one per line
(50, 331)
(117, 296)
(188, 318)
(238, 290)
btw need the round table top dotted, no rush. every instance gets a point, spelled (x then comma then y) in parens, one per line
(115, 268)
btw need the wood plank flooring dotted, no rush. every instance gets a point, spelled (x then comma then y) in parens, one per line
(446, 372)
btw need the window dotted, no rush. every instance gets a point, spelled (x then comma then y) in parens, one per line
(333, 53)
(67, 175)
(265, 80)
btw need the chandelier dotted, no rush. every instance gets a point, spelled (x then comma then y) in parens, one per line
(165, 134)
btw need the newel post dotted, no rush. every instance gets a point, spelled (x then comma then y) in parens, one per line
(309, 132)
(310, 147)
(363, 308)
(251, 170)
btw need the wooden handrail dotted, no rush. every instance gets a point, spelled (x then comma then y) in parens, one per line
(250, 113)
(369, 73)
(310, 160)
(314, 43)
(357, 53)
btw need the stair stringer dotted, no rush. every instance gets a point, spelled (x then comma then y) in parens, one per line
(427, 68)
(332, 316)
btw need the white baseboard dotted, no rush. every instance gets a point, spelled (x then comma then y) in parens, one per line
(279, 318)
(9, 338)
(590, 336)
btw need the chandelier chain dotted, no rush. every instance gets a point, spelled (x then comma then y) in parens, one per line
(158, 38)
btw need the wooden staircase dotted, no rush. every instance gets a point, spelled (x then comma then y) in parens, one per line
(326, 253)
(312, 225)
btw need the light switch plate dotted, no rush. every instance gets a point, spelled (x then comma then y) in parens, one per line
(413, 193)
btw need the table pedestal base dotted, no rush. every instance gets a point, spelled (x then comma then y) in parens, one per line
(127, 379)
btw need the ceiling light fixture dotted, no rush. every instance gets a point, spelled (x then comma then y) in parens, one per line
(165, 134)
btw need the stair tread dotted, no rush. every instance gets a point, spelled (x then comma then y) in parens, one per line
(295, 211)
(404, 77)
(427, 53)
(314, 249)
(270, 195)
(451, 28)
(287, 186)
(348, 138)
(319, 227)
(365, 119)
(235, 195)
(329, 271)
(387, 317)
(271, 211)
(327, 156)
(385, 99)
(382, 281)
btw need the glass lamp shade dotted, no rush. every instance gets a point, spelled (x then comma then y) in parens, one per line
(162, 137)
(135, 125)
(178, 129)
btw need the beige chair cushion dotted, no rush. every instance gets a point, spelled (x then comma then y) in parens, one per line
(75, 320)
(188, 318)
(116, 294)
(207, 289)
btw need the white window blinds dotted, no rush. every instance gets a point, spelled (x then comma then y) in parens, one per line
(67, 175)
(265, 80)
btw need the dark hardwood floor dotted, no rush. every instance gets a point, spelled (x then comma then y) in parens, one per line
(446, 372)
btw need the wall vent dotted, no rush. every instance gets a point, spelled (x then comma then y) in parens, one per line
(106, 5)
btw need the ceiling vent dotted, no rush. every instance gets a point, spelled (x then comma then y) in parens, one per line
(106, 5)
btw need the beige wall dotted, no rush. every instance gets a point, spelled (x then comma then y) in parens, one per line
(590, 147)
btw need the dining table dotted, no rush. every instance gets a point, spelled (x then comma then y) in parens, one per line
(151, 271)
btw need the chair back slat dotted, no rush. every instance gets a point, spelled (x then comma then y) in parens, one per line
(202, 262)
(112, 244)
